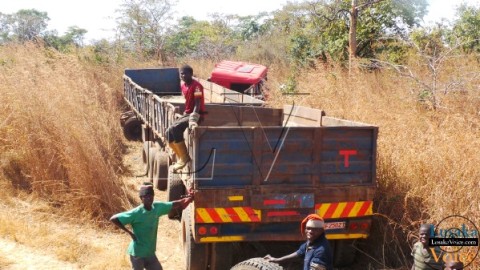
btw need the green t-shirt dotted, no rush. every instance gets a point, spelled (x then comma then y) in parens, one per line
(424, 259)
(145, 225)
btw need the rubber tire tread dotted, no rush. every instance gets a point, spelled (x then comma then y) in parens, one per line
(256, 264)
(160, 170)
(175, 189)
(132, 129)
(148, 156)
(344, 253)
(195, 254)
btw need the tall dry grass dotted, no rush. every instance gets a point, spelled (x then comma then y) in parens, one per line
(428, 161)
(59, 134)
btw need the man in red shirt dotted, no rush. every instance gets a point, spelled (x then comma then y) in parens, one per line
(192, 90)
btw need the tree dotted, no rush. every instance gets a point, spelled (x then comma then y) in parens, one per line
(466, 29)
(143, 25)
(28, 24)
(202, 39)
(73, 37)
(327, 24)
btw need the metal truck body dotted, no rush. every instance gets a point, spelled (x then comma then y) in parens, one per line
(256, 171)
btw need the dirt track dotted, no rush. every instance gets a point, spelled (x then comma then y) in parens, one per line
(18, 252)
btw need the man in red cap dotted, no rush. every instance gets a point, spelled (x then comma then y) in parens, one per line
(143, 220)
(316, 251)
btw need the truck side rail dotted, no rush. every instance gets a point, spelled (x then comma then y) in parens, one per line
(220, 94)
(158, 112)
(299, 116)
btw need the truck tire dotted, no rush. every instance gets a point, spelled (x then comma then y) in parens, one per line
(195, 254)
(132, 129)
(344, 253)
(256, 264)
(175, 189)
(160, 170)
(221, 257)
(148, 157)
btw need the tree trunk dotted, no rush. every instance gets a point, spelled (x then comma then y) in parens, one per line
(352, 48)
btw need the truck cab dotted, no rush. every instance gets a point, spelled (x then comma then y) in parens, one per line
(245, 78)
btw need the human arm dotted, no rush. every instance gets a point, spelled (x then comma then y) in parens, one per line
(114, 219)
(181, 204)
(281, 259)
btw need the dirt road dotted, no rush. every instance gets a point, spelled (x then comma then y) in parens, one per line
(33, 238)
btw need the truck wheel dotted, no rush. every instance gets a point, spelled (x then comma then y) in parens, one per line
(160, 170)
(132, 129)
(344, 254)
(175, 189)
(221, 256)
(148, 157)
(195, 254)
(256, 264)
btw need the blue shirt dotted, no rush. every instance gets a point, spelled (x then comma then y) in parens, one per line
(317, 252)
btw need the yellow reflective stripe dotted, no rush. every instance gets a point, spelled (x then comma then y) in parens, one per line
(241, 214)
(235, 198)
(355, 209)
(369, 210)
(339, 210)
(323, 209)
(204, 215)
(223, 214)
(258, 213)
(346, 236)
(233, 238)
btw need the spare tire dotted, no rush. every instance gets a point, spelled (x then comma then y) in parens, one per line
(256, 264)
(132, 129)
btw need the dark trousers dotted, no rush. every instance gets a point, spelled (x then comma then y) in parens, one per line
(149, 263)
(175, 131)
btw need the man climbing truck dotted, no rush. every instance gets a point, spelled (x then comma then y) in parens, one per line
(256, 171)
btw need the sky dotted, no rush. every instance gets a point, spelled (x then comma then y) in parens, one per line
(98, 16)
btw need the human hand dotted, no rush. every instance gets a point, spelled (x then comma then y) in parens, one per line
(269, 258)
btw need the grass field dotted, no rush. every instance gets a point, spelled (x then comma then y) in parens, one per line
(61, 146)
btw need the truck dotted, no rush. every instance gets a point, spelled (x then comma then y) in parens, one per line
(243, 77)
(256, 171)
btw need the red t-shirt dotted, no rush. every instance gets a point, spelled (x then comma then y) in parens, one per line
(191, 92)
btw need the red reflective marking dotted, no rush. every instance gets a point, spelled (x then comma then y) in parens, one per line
(347, 209)
(271, 202)
(233, 215)
(251, 214)
(213, 214)
(198, 218)
(347, 154)
(282, 213)
(364, 208)
(331, 209)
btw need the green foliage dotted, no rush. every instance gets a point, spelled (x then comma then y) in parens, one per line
(73, 38)
(143, 25)
(430, 41)
(466, 29)
(319, 29)
(24, 25)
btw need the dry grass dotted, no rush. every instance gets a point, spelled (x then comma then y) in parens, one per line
(60, 142)
(60, 137)
(427, 160)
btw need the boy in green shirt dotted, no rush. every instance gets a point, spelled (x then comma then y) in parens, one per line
(143, 220)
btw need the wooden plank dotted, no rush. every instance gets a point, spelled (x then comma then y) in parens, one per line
(332, 121)
(302, 116)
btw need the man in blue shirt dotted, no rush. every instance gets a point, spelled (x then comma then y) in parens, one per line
(316, 251)
(143, 220)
